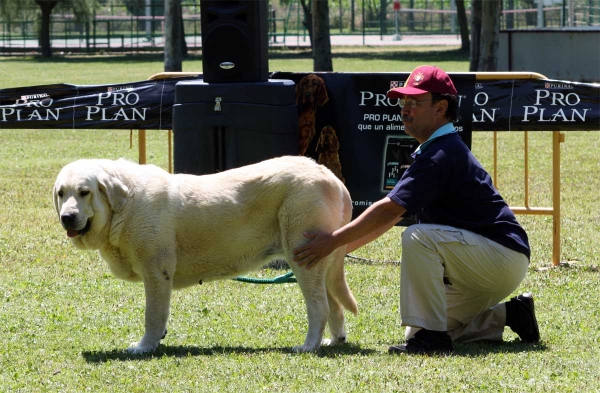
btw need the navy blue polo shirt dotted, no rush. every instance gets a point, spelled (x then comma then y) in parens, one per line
(446, 185)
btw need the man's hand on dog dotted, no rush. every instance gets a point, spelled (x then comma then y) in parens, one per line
(321, 245)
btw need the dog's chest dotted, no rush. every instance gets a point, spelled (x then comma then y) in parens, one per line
(120, 264)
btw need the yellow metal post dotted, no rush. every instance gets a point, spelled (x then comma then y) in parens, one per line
(557, 138)
(142, 146)
(170, 148)
(526, 171)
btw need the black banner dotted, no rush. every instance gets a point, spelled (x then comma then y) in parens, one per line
(136, 105)
(535, 105)
(490, 105)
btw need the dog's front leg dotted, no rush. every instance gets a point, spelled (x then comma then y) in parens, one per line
(158, 300)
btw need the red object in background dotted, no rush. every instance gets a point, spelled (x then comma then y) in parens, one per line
(396, 5)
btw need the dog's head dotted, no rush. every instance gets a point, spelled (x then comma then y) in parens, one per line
(85, 198)
(328, 141)
(311, 91)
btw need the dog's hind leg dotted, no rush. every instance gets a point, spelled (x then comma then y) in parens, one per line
(336, 285)
(313, 288)
(336, 322)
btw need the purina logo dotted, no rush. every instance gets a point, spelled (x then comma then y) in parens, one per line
(561, 86)
(119, 88)
(396, 84)
(37, 97)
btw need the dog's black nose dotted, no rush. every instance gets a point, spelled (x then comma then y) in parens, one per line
(68, 219)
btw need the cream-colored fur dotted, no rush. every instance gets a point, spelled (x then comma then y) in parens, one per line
(174, 231)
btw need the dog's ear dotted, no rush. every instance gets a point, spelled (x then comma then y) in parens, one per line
(300, 92)
(334, 139)
(55, 199)
(322, 96)
(320, 143)
(116, 192)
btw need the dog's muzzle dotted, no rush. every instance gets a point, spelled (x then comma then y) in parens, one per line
(68, 222)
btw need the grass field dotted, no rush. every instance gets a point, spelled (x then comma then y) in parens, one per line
(66, 321)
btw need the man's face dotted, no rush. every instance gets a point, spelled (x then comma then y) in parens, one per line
(419, 121)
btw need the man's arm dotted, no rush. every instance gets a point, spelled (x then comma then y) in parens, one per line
(372, 223)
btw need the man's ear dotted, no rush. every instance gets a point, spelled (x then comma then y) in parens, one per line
(116, 192)
(441, 108)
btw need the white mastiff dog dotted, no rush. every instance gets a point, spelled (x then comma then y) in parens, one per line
(174, 231)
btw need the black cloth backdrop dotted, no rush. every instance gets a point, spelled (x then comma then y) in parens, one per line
(374, 151)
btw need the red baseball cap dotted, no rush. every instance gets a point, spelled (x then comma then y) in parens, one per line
(425, 79)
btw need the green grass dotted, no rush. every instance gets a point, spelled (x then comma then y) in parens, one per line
(65, 320)
(29, 71)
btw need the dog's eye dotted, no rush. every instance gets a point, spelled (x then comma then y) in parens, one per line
(60, 193)
(84, 193)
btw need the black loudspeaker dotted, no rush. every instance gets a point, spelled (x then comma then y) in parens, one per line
(234, 40)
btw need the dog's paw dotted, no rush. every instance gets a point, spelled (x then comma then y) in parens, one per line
(139, 348)
(303, 349)
(333, 342)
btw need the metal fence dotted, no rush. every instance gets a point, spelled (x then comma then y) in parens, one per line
(139, 25)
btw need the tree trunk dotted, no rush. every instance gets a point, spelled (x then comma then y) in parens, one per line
(352, 16)
(173, 30)
(184, 49)
(463, 24)
(383, 17)
(308, 18)
(490, 35)
(476, 8)
(46, 7)
(322, 60)
(410, 16)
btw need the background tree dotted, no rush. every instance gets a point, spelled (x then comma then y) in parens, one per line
(490, 35)
(476, 8)
(322, 59)
(485, 34)
(46, 7)
(81, 9)
(173, 36)
(463, 24)
(308, 18)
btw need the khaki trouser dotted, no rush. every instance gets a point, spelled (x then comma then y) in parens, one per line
(453, 280)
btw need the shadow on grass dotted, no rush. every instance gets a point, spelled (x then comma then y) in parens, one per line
(179, 351)
(487, 348)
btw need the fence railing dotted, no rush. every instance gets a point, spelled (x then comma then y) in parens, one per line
(128, 32)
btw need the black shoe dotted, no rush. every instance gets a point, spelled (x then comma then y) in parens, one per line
(520, 317)
(425, 342)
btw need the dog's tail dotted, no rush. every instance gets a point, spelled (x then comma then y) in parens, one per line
(337, 285)
(336, 277)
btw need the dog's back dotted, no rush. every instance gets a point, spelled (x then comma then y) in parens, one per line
(236, 221)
